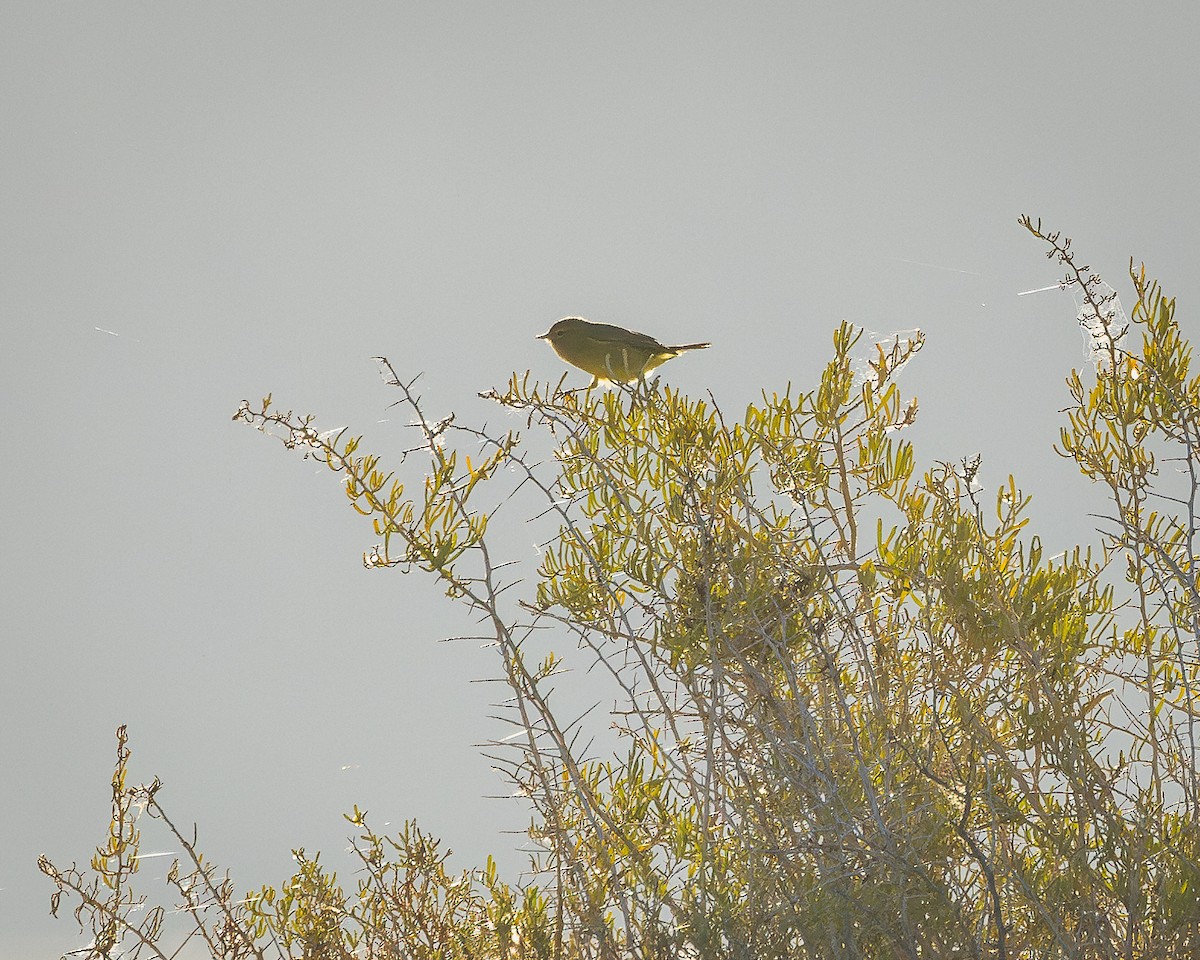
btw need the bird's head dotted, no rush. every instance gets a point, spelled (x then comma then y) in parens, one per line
(563, 328)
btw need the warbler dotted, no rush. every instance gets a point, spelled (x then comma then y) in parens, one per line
(610, 353)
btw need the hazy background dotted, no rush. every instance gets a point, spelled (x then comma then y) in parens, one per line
(247, 198)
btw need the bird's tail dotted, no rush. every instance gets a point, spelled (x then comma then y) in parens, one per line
(689, 346)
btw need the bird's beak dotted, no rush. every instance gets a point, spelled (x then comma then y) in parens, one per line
(544, 336)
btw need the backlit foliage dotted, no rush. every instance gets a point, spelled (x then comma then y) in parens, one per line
(860, 712)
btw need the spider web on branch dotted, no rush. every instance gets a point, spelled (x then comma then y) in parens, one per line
(1104, 329)
(863, 365)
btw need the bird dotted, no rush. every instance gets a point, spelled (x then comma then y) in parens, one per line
(610, 353)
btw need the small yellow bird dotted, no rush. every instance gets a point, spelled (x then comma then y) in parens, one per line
(610, 353)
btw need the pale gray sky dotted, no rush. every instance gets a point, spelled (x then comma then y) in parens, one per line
(260, 197)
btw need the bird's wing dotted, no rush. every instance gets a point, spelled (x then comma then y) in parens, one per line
(608, 333)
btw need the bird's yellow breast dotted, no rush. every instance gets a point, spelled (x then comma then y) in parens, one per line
(607, 360)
